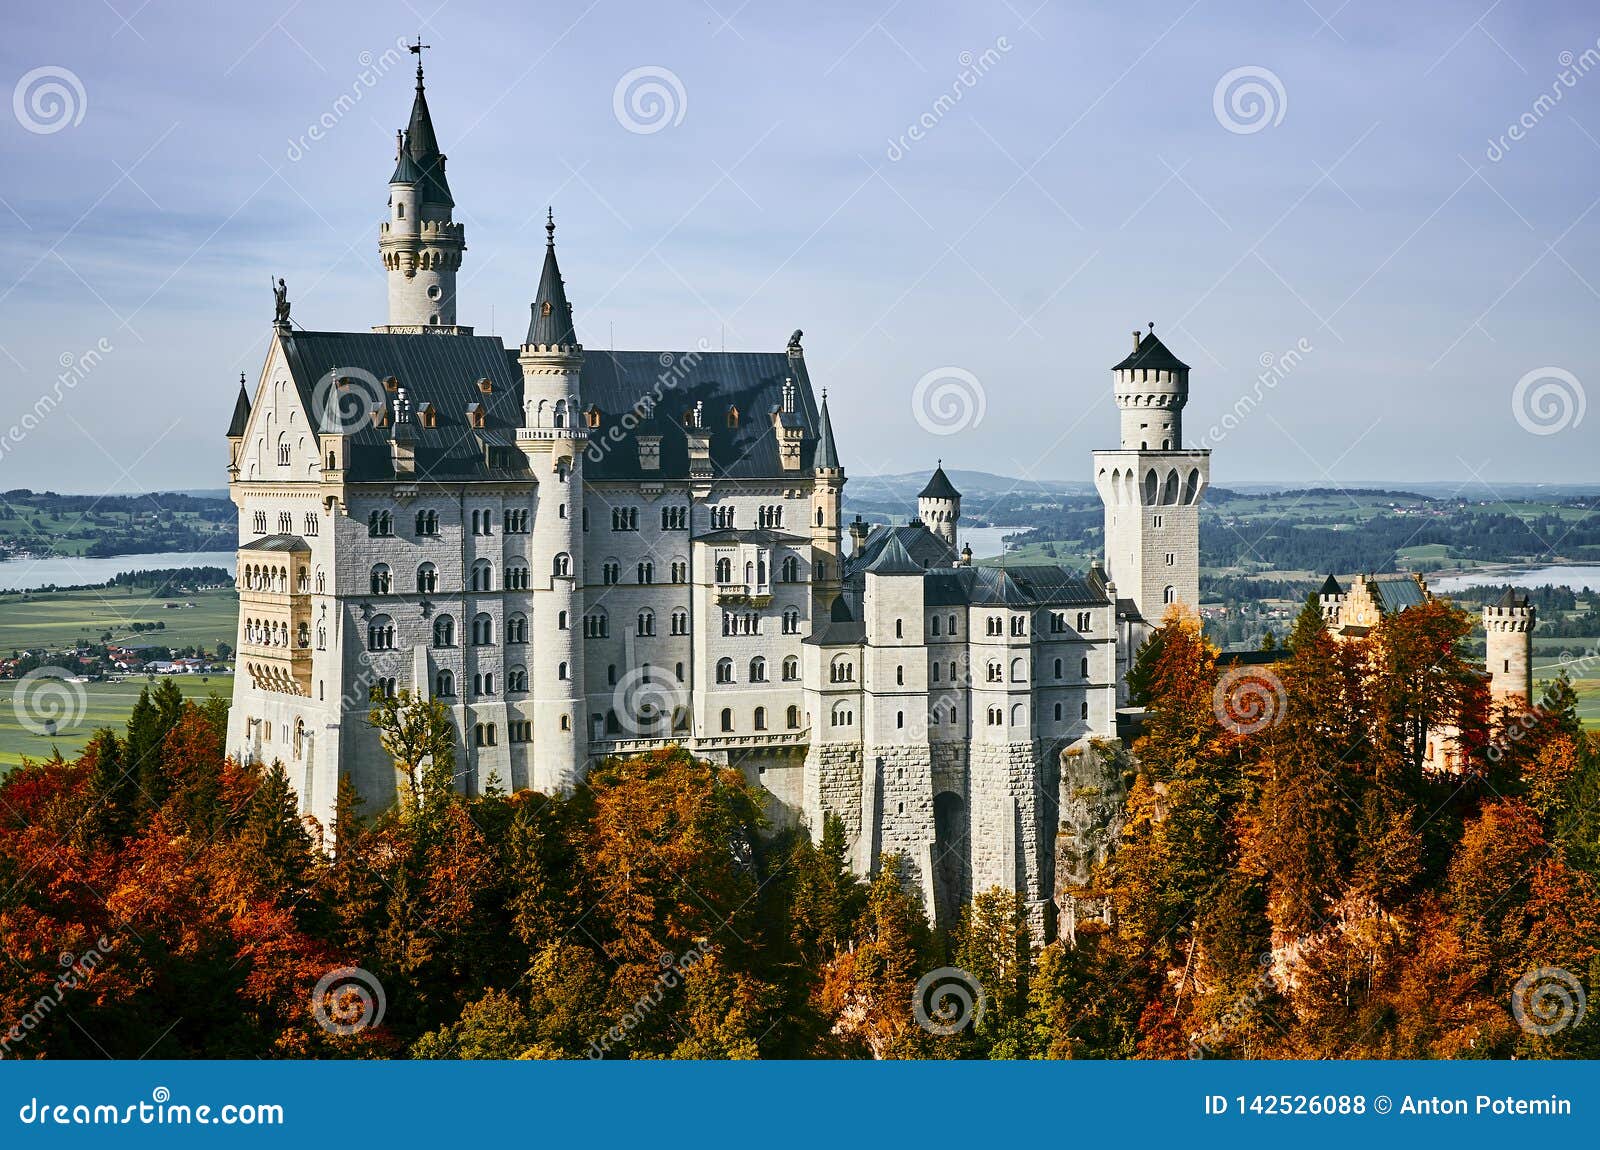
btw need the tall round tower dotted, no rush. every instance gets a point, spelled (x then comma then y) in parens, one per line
(939, 507)
(827, 509)
(419, 244)
(1508, 650)
(552, 437)
(1152, 485)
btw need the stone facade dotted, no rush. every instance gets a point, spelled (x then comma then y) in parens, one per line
(588, 555)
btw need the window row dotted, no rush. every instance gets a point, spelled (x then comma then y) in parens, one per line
(758, 670)
(309, 523)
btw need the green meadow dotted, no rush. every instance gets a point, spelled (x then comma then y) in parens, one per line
(59, 619)
(89, 706)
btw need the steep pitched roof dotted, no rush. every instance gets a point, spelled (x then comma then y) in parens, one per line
(551, 323)
(924, 547)
(1397, 592)
(241, 412)
(894, 559)
(423, 146)
(443, 372)
(1331, 587)
(827, 453)
(1512, 599)
(1029, 585)
(939, 486)
(1152, 355)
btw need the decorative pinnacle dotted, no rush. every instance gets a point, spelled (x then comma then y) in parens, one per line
(417, 49)
(550, 227)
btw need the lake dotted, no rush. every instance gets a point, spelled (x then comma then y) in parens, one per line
(70, 571)
(1558, 575)
(987, 542)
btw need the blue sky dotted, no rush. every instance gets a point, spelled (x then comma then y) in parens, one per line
(1368, 209)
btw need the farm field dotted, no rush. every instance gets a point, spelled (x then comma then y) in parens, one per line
(58, 619)
(102, 705)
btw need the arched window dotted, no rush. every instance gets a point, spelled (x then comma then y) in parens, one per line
(1019, 673)
(724, 670)
(1083, 668)
(562, 672)
(380, 579)
(380, 633)
(561, 566)
(680, 622)
(427, 523)
(517, 679)
(792, 720)
(482, 630)
(427, 579)
(758, 670)
(444, 683)
(842, 715)
(1058, 668)
(727, 719)
(1083, 710)
(724, 570)
(791, 668)
(647, 622)
(1058, 712)
(516, 627)
(791, 569)
(647, 572)
(444, 631)
(1170, 595)
(761, 718)
(610, 572)
(842, 670)
(482, 575)
(935, 625)
(517, 574)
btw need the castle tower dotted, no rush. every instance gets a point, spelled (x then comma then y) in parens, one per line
(419, 244)
(1151, 485)
(1508, 653)
(237, 426)
(551, 436)
(827, 500)
(939, 507)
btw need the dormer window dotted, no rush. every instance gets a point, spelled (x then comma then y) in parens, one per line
(427, 415)
(486, 385)
(475, 415)
(733, 417)
(591, 418)
(544, 310)
(391, 384)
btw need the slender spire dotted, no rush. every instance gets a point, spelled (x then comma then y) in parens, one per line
(552, 314)
(827, 452)
(422, 144)
(241, 412)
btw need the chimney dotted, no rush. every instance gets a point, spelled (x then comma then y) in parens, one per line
(858, 535)
(1136, 341)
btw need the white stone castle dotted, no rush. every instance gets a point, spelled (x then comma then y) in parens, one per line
(586, 554)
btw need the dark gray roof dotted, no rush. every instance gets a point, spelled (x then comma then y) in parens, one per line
(443, 371)
(1512, 599)
(1026, 586)
(1331, 587)
(893, 559)
(924, 547)
(827, 452)
(423, 146)
(939, 486)
(551, 323)
(276, 543)
(1153, 355)
(241, 412)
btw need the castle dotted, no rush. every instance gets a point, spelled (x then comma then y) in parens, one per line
(587, 554)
